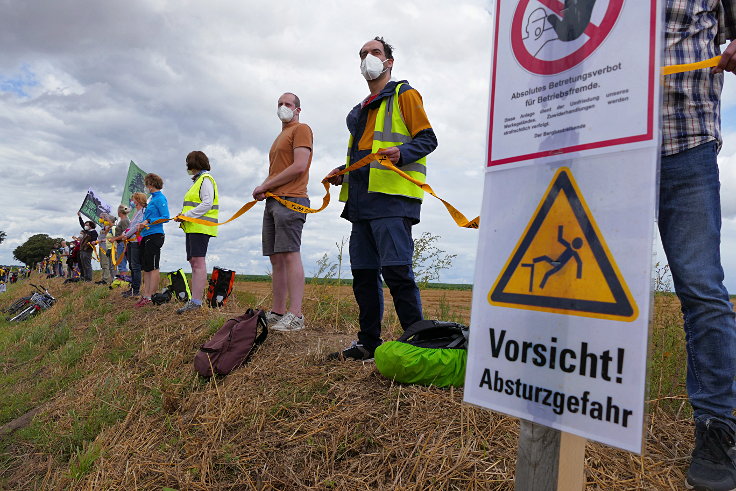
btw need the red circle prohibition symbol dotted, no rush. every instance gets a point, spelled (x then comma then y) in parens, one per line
(596, 35)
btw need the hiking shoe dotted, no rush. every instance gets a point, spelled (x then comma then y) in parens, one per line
(189, 306)
(712, 466)
(355, 351)
(143, 302)
(272, 318)
(289, 322)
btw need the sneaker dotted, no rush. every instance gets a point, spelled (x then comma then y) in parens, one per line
(289, 322)
(127, 294)
(142, 302)
(355, 351)
(189, 306)
(272, 318)
(712, 466)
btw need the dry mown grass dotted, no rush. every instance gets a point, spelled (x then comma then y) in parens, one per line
(136, 416)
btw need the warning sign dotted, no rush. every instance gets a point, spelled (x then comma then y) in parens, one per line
(561, 263)
(562, 288)
(549, 36)
(571, 77)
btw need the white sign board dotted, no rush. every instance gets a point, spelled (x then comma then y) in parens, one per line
(550, 95)
(562, 290)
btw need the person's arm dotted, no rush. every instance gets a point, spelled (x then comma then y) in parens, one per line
(207, 195)
(156, 210)
(727, 62)
(301, 161)
(423, 141)
(81, 222)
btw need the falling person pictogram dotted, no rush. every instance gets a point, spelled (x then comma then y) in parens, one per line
(569, 253)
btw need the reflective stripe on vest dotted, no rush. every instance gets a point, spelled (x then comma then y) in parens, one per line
(192, 200)
(389, 131)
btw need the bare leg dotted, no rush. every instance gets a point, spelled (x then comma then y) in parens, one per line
(199, 277)
(279, 285)
(295, 281)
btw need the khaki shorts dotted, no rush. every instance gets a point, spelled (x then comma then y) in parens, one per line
(282, 227)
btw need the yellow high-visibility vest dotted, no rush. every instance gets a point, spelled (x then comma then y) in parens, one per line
(192, 200)
(390, 131)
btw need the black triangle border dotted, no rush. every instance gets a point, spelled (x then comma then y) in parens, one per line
(621, 307)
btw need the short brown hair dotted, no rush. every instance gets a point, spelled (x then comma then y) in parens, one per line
(198, 161)
(153, 180)
(297, 102)
(140, 198)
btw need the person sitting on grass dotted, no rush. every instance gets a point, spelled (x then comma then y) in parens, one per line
(152, 234)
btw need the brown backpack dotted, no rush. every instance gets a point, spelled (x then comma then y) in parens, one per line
(232, 345)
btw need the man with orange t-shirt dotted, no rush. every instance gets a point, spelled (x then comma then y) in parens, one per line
(288, 174)
(382, 206)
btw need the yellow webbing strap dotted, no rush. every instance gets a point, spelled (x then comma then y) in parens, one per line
(382, 159)
(686, 67)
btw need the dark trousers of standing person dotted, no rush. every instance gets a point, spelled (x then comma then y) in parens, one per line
(134, 262)
(383, 248)
(85, 264)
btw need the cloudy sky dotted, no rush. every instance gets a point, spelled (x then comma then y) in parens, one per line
(86, 87)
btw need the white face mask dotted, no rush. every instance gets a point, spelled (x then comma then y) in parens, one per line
(88, 228)
(372, 67)
(285, 114)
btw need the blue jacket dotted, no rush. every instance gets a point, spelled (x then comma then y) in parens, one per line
(362, 205)
(157, 208)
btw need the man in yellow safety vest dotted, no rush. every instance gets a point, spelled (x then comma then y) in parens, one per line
(381, 205)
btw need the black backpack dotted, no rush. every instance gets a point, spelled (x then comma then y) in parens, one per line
(436, 334)
(179, 286)
(162, 297)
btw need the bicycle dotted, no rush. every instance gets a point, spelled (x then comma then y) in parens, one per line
(38, 301)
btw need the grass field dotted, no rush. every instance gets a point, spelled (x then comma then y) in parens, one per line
(99, 395)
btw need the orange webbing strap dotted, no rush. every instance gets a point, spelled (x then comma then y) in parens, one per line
(289, 204)
(459, 218)
(686, 67)
(454, 213)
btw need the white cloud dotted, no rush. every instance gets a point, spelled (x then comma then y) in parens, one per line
(150, 81)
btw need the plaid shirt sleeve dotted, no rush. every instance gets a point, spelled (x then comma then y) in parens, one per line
(727, 27)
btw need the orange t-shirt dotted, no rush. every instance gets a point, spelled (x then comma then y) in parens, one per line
(412, 110)
(281, 156)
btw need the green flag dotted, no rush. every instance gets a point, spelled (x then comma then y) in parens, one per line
(133, 183)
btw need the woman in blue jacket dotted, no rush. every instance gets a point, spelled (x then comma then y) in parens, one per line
(152, 237)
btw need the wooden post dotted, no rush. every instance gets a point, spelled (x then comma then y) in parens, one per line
(548, 460)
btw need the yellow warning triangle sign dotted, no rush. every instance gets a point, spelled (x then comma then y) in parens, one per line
(561, 264)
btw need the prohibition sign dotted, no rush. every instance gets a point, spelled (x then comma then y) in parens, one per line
(595, 34)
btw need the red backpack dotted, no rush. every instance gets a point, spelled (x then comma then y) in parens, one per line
(220, 287)
(232, 345)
